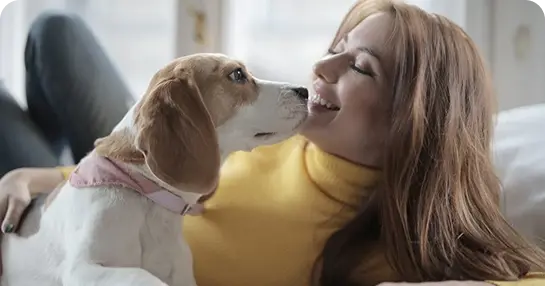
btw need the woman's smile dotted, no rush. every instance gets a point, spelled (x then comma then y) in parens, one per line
(317, 103)
(322, 100)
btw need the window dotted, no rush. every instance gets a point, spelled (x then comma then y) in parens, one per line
(138, 36)
(281, 39)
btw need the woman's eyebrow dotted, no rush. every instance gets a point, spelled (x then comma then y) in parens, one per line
(369, 51)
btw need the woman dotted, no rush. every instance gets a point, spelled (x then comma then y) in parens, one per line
(392, 181)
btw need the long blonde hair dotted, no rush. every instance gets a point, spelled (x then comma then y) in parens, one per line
(437, 211)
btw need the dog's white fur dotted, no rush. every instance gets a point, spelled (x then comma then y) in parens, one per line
(116, 237)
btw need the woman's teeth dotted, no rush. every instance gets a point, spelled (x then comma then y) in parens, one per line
(316, 99)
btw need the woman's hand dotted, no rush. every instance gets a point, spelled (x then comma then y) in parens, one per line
(14, 199)
(17, 188)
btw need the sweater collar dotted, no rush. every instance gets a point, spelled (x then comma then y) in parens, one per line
(338, 178)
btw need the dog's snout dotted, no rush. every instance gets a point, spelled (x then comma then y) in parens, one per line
(301, 92)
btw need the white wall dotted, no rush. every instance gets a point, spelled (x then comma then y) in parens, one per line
(518, 52)
(11, 49)
(511, 36)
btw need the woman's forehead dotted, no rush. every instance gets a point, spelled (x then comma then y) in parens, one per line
(374, 36)
(374, 32)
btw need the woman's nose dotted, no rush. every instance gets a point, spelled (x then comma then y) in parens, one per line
(327, 69)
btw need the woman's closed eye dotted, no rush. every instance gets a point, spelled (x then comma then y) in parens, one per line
(363, 71)
(354, 67)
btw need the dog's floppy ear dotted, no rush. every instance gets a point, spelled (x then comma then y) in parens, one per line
(177, 136)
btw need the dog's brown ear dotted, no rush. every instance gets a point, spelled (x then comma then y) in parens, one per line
(177, 136)
(119, 145)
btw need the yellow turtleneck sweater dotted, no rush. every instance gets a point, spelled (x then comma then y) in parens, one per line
(274, 210)
(272, 213)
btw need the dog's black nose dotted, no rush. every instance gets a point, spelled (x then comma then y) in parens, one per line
(301, 92)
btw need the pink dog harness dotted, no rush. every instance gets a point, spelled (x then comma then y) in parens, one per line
(95, 171)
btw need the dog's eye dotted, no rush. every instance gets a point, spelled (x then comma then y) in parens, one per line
(238, 76)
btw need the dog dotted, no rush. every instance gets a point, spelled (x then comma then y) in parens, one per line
(117, 220)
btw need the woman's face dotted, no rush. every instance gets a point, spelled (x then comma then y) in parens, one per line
(349, 108)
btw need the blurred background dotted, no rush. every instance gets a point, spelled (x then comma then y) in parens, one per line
(278, 39)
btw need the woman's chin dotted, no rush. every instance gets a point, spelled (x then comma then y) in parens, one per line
(317, 125)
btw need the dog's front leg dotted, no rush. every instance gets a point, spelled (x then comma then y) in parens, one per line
(102, 239)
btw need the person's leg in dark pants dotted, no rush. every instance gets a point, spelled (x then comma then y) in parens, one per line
(73, 90)
(21, 143)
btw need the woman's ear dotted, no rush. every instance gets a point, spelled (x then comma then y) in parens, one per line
(177, 136)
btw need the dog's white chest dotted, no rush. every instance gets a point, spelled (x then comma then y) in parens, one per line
(116, 236)
(165, 253)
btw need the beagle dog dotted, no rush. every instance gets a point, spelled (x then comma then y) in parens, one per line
(116, 221)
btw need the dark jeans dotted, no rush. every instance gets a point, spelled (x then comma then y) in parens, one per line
(74, 95)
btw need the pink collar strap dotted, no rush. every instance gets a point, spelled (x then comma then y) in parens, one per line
(97, 171)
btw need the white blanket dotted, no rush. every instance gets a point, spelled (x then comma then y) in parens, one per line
(519, 151)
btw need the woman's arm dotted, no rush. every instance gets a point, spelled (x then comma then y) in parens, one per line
(19, 186)
(441, 283)
(532, 279)
(38, 180)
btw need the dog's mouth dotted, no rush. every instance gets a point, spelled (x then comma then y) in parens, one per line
(264, 134)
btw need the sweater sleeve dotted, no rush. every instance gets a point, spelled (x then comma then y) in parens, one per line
(66, 171)
(532, 279)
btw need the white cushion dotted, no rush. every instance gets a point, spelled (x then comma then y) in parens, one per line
(519, 153)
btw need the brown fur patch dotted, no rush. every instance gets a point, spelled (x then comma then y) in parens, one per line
(119, 145)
